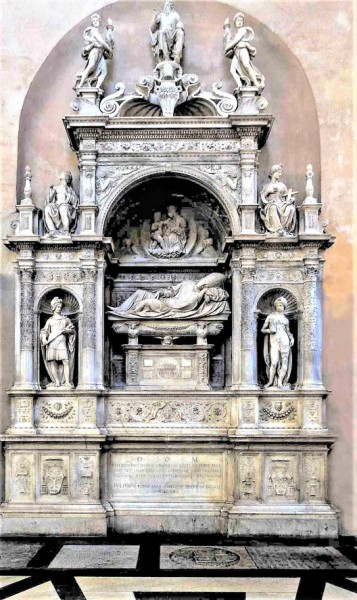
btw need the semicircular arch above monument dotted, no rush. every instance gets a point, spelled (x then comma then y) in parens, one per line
(296, 130)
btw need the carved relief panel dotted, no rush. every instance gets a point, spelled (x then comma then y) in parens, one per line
(54, 473)
(21, 484)
(281, 479)
(249, 477)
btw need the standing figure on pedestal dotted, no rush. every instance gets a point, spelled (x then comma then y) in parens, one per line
(61, 208)
(58, 343)
(167, 34)
(239, 49)
(96, 52)
(278, 212)
(278, 342)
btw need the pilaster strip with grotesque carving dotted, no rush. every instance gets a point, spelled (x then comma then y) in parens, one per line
(89, 305)
(311, 325)
(249, 161)
(248, 326)
(26, 308)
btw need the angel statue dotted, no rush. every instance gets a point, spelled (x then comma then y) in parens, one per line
(239, 49)
(58, 338)
(96, 52)
(278, 342)
(278, 211)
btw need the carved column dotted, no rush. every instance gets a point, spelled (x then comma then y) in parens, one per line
(312, 326)
(89, 367)
(236, 322)
(87, 166)
(248, 328)
(25, 363)
(249, 163)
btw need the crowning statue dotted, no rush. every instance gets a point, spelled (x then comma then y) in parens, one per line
(188, 299)
(278, 211)
(239, 49)
(167, 34)
(60, 214)
(58, 344)
(278, 342)
(96, 52)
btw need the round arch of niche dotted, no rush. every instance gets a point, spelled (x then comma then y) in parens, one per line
(278, 339)
(166, 216)
(296, 130)
(57, 354)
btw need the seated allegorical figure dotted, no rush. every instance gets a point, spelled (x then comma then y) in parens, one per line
(61, 209)
(188, 299)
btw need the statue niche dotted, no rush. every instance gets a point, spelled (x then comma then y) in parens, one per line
(57, 339)
(277, 340)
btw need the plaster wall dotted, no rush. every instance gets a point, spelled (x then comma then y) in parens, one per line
(308, 86)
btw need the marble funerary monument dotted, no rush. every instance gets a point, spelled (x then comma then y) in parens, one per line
(168, 314)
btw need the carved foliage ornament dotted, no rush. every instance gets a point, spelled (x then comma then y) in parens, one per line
(167, 411)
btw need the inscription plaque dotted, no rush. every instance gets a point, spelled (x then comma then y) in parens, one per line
(186, 476)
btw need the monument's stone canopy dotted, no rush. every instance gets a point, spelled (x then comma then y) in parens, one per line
(169, 313)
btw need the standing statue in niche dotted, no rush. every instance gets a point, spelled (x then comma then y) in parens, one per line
(96, 52)
(239, 49)
(278, 342)
(188, 299)
(278, 211)
(58, 344)
(60, 214)
(167, 34)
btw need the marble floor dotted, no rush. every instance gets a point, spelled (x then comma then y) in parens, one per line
(157, 569)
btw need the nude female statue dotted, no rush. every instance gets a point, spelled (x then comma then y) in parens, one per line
(277, 346)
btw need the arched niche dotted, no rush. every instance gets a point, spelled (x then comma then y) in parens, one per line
(295, 137)
(70, 309)
(265, 306)
(130, 215)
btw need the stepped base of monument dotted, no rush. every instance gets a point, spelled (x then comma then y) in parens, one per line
(70, 520)
(296, 522)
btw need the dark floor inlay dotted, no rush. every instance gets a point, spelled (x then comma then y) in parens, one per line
(299, 557)
(16, 555)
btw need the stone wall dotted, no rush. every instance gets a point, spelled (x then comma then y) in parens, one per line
(41, 46)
